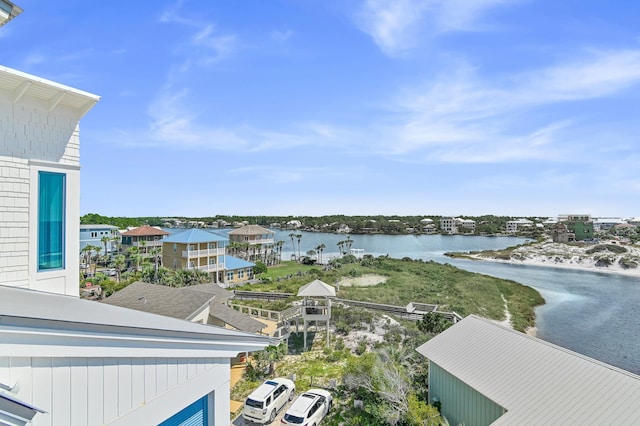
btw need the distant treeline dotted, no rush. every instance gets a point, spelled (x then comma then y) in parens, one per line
(486, 224)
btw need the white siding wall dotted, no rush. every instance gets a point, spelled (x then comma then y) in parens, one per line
(33, 138)
(96, 391)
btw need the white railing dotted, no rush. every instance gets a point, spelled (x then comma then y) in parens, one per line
(203, 253)
(210, 268)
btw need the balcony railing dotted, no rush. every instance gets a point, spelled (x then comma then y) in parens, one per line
(210, 268)
(203, 253)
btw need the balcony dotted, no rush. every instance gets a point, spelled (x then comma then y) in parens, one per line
(210, 268)
(203, 253)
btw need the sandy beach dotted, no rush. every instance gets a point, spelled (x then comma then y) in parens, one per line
(565, 256)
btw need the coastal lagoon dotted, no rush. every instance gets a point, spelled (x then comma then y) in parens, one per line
(593, 313)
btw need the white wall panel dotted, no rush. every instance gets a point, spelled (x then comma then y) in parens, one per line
(124, 386)
(79, 392)
(95, 391)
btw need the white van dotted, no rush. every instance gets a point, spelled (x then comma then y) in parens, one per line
(267, 400)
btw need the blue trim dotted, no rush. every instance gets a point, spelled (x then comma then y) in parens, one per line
(194, 415)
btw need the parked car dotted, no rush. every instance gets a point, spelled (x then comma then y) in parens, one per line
(262, 405)
(309, 409)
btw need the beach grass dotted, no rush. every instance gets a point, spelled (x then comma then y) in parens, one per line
(451, 288)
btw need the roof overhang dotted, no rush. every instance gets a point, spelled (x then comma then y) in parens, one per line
(8, 11)
(16, 412)
(55, 95)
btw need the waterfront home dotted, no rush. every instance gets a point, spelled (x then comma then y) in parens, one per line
(196, 249)
(67, 361)
(481, 373)
(99, 236)
(144, 237)
(256, 241)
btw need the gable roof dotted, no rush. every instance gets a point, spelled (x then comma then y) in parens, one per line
(251, 230)
(144, 231)
(231, 263)
(317, 288)
(535, 381)
(194, 235)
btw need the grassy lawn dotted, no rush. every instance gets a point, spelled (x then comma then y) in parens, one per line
(285, 269)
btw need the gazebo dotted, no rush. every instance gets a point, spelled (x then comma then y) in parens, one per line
(316, 305)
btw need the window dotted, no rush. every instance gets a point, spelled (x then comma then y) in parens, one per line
(51, 218)
(230, 275)
(212, 246)
(241, 273)
(212, 261)
(175, 248)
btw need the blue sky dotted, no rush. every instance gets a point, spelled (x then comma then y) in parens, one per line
(301, 107)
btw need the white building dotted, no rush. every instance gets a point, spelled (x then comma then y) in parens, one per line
(453, 225)
(512, 226)
(67, 361)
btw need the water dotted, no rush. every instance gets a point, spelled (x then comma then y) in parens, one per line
(592, 313)
(595, 314)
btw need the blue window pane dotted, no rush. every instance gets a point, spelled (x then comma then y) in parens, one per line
(51, 210)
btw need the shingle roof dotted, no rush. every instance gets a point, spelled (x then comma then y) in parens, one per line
(231, 263)
(236, 319)
(145, 231)
(251, 230)
(159, 299)
(317, 288)
(535, 381)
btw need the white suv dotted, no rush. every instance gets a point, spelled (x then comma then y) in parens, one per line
(309, 409)
(270, 397)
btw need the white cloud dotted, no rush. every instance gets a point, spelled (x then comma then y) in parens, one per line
(397, 25)
(460, 117)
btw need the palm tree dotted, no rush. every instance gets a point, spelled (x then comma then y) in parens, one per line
(119, 263)
(156, 252)
(348, 243)
(299, 237)
(95, 258)
(105, 240)
(319, 249)
(292, 236)
(340, 245)
(143, 247)
(279, 245)
(86, 255)
(135, 256)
